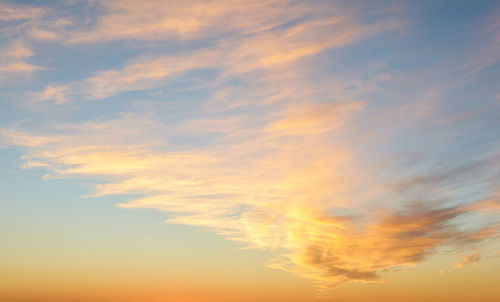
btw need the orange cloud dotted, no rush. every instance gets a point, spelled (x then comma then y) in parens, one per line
(294, 190)
(468, 260)
(154, 20)
(311, 118)
(474, 258)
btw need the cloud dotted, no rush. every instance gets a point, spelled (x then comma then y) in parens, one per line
(259, 45)
(488, 204)
(13, 62)
(58, 94)
(298, 190)
(153, 21)
(18, 21)
(14, 12)
(488, 53)
(311, 118)
(179, 20)
(474, 258)
(145, 73)
(468, 260)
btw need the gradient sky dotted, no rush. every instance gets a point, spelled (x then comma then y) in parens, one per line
(267, 150)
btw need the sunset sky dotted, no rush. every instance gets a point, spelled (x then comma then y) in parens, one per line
(253, 151)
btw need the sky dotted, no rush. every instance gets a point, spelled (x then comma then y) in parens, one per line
(267, 150)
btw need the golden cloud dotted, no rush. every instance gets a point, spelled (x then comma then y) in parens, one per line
(294, 189)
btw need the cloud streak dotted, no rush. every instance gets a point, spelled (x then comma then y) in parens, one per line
(287, 33)
(474, 258)
(289, 185)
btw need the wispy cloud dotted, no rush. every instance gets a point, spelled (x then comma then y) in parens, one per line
(290, 185)
(15, 21)
(13, 62)
(58, 94)
(468, 260)
(474, 258)
(287, 33)
(179, 20)
(15, 12)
